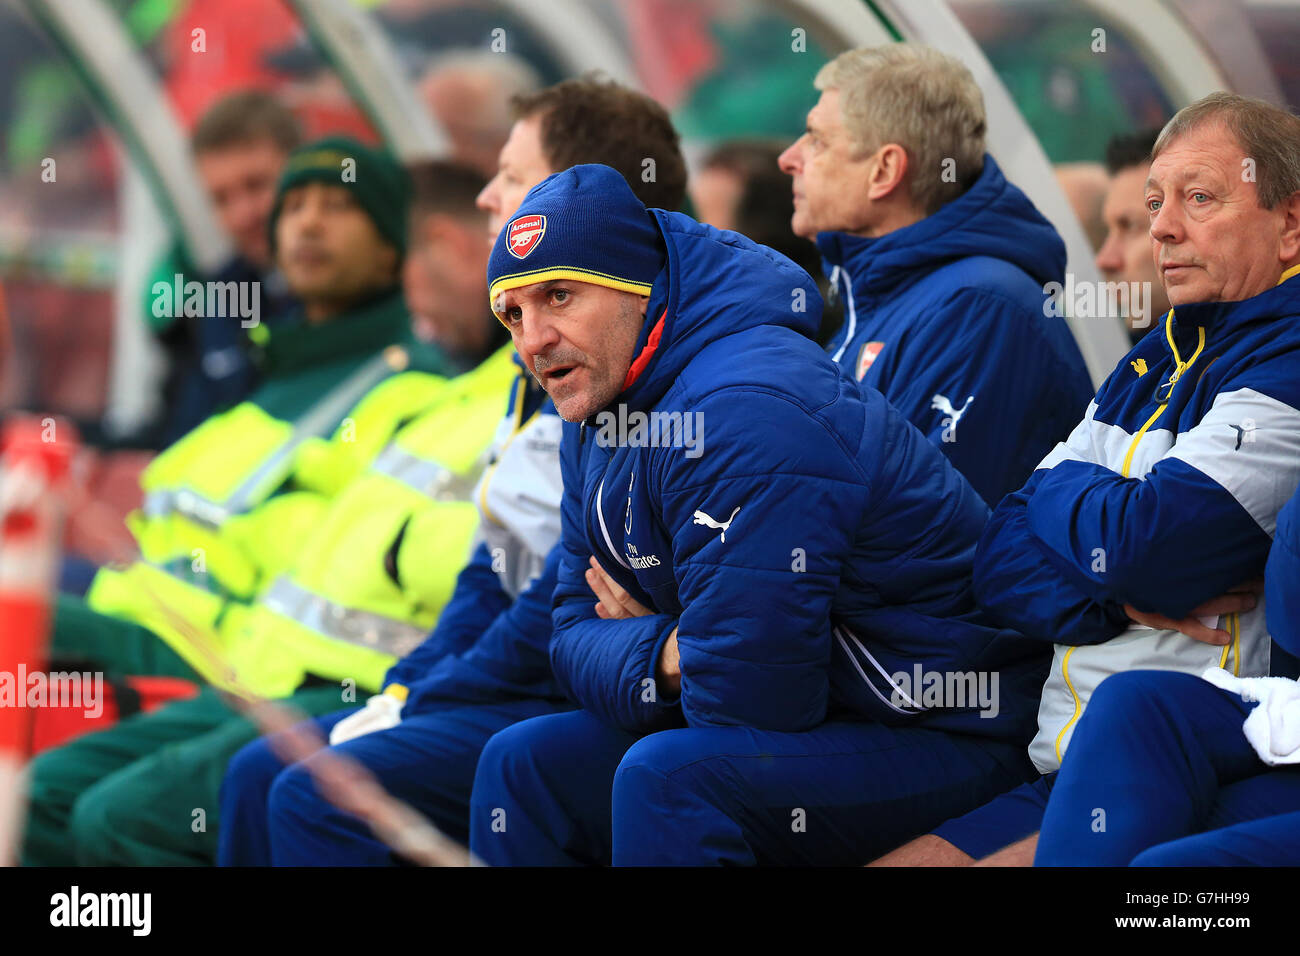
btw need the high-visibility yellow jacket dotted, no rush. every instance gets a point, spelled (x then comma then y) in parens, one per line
(332, 395)
(325, 594)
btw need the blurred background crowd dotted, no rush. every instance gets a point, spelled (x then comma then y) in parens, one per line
(85, 227)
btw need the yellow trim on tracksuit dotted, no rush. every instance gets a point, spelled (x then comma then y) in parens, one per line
(1179, 368)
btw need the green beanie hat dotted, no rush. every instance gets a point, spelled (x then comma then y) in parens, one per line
(377, 181)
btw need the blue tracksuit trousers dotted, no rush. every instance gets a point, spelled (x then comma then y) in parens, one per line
(569, 789)
(276, 817)
(1160, 756)
(1268, 841)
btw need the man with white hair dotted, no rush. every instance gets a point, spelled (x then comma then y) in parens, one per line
(942, 263)
(1136, 546)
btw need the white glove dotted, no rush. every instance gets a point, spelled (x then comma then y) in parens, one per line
(381, 712)
(1273, 728)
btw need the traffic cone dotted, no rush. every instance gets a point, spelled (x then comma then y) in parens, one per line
(34, 459)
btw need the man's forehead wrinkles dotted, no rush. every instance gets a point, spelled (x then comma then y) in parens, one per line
(1180, 174)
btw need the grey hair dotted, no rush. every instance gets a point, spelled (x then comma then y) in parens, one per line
(925, 101)
(1267, 134)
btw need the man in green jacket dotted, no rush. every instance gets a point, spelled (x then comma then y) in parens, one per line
(228, 505)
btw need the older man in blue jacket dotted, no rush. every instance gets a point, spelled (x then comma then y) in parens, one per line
(941, 262)
(1193, 772)
(763, 603)
(1133, 546)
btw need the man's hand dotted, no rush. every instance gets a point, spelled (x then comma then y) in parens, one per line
(668, 672)
(612, 601)
(1241, 598)
(614, 604)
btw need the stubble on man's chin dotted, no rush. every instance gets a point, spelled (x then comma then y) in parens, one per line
(587, 409)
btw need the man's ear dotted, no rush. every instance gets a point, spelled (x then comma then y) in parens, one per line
(889, 168)
(1289, 240)
(643, 304)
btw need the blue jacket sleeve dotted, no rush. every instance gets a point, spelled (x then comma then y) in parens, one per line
(606, 667)
(755, 629)
(1019, 586)
(1282, 580)
(475, 603)
(1164, 543)
(508, 660)
(1196, 524)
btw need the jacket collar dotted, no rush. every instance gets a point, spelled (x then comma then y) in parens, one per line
(876, 264)
(713, 284)
(1281, 300)
(363, 330)
(991, 218)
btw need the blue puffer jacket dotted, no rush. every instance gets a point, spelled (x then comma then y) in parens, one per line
(811, 546)
(946, 316)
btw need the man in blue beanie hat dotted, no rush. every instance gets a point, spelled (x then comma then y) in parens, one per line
(485, 665)
(759, 564)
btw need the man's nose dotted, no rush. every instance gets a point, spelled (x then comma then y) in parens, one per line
(1108, 256)
(789, 160)
(539, 333)
(1166, 225)
(311, 214)
(486, 199)
(249, 212)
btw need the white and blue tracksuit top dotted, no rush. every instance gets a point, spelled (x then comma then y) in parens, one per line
(811, 549)
(946, 319)
(1164, 496)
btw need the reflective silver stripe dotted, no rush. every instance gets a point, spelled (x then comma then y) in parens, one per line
(362, 628)
(426, 476)
(183, 501)
(323, 417)
(318, 422)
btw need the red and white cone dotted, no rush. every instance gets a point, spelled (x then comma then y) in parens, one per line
(34, 458)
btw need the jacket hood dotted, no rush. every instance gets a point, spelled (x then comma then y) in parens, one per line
(714, 283)
(992, 218)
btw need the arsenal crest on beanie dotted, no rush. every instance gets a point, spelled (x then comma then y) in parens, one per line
(583, 224)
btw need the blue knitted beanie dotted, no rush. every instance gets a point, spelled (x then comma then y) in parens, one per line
(584, 224)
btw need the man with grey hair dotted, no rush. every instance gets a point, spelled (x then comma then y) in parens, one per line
(1136, 546)
(942, 263)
